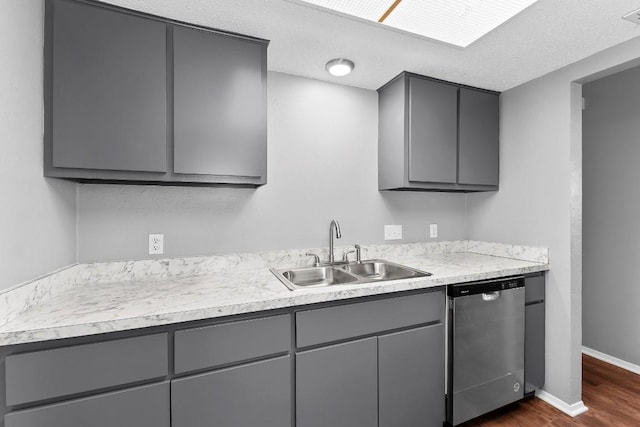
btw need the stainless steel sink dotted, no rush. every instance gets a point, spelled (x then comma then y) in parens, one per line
(345, 274)
(317, 276)
(382, 270)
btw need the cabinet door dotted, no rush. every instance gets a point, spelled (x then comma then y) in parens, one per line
(337, 386)
(534, 365)
(109, 90)
(411, 378)
(219, 104)
(433, 118)
(146, 406)
(479, 133)
(257, 394)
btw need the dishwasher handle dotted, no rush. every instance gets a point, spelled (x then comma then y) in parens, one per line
(490, 296)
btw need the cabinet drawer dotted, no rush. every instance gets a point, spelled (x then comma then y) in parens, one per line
(217, 345)
(353, 320)
(534, 289)
(63, 371)
(255, 394)
(146, 406)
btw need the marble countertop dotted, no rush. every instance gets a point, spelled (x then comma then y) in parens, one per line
(98, 306)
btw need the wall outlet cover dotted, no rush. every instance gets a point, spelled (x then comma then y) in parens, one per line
(392, 232)
(433, 231)
(156, 244)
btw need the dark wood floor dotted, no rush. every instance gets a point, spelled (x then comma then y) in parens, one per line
(611, 394)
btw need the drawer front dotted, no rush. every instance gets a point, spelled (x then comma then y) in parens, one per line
(63, 371)
(353, 320)
(533, 289)
(255, 394)
(146, 406)
(217, 345)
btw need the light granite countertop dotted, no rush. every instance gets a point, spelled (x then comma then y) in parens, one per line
(97, 298)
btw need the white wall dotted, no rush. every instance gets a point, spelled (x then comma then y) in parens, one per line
(540, 199)
(611, 216)
(322, 164)
(37, 215)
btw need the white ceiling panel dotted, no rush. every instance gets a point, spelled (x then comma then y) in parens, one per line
(370, 10)
(459, 22)
(548, 35)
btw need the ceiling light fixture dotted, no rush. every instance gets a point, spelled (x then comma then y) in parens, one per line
(340, 67)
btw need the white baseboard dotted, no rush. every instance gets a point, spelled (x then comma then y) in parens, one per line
(572, 410)
(612, 360)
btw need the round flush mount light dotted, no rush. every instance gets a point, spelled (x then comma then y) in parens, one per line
(340, 67)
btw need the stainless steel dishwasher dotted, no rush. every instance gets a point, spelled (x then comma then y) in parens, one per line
(486, 347)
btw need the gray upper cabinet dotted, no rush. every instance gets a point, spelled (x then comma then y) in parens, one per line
(109, 90)
(141, 99)
(219, 105)
(478, 157)
(436, 135)
(432, 131)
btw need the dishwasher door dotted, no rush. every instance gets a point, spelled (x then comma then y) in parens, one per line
(487, 351)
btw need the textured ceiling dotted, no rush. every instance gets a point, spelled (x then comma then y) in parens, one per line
(546, 36)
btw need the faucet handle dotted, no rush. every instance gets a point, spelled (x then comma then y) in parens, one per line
(316, 261)
(345, 256)
(358, 253)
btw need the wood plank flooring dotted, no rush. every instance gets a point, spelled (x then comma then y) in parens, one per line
(612, 395)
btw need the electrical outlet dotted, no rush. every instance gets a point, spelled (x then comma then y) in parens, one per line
(156, 244)
(392, 232)
(433, 231)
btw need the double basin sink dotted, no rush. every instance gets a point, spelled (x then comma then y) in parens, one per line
(354, 273)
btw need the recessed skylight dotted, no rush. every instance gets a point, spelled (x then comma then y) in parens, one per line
(459, 22)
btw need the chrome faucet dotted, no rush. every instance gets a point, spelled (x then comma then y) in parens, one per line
(333, 226)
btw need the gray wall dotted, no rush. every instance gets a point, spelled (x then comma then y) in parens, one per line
(540, 198)
(322, 164)
(611, 213)
(37, 215)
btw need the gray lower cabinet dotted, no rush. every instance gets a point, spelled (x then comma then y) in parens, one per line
(337, 385)
(384, 368)
(146, 406)
(534, 363)
(389, 373)
(47, 374)
(257, 394)
(437, 136)
(411, 378)
(234, 342)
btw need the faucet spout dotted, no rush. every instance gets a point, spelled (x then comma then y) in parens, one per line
(333, 227)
